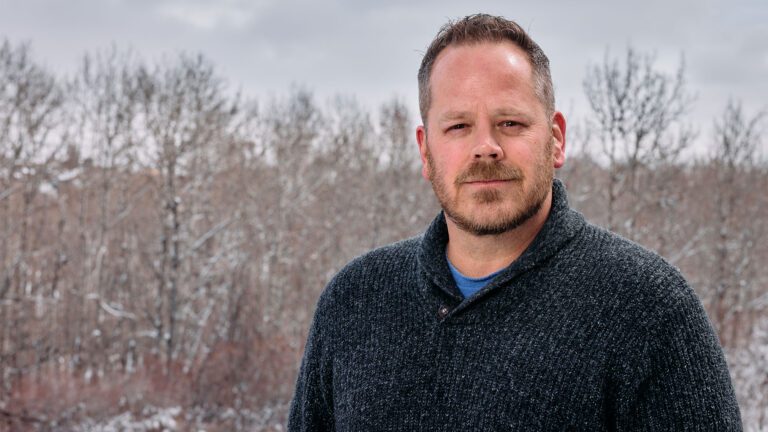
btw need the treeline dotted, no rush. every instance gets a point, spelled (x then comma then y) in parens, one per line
(164, 238)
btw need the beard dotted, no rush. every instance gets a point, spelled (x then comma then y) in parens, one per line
(520, 205)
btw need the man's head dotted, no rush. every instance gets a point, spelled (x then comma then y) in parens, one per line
(475, 29)
(493, 138)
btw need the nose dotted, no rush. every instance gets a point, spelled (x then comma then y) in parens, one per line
(487, 147)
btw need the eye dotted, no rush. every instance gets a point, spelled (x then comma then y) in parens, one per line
(509, 123)
(457, 126)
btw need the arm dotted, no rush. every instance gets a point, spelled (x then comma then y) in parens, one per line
(680, 379)
(312, 405)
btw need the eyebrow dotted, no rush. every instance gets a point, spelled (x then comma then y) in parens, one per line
(454, 115)
(502, 112)
(510, 112)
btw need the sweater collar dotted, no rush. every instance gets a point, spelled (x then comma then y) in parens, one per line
(561, 225)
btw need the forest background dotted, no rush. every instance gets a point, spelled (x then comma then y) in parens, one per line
(164, 237)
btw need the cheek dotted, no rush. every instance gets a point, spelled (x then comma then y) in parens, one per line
(445, 167)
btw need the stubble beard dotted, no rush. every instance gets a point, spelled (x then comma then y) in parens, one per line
(506, 219)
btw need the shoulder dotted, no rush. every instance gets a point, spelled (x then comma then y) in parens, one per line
(375, 271)
(618, 256)
(382, 262)
(635, 276)
(622, 253)
(645, 297)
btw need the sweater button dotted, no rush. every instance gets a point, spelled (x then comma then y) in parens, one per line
(442, 311)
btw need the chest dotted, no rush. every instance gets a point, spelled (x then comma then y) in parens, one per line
(520, 372)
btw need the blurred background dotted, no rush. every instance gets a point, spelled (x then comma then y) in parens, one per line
(180, 179)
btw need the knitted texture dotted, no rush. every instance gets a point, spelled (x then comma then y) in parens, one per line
(584, 331)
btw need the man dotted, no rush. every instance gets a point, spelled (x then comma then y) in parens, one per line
(510, 312)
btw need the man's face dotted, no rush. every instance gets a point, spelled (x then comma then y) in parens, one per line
(489, 148)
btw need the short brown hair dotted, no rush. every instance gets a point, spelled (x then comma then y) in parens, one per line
(479, 28)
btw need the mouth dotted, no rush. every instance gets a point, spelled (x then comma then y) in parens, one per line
(488, 182)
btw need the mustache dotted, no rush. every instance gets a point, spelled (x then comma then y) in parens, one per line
(487, 171)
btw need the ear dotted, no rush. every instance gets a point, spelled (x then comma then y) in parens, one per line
(558, 137)
(421, 139)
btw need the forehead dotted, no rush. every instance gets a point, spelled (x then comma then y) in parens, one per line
(488, 72)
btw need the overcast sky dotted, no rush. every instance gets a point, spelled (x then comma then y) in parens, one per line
(372, 49)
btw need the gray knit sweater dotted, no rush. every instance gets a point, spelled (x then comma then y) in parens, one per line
(584, 331)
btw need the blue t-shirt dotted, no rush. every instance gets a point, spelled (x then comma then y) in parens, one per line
(468, 285)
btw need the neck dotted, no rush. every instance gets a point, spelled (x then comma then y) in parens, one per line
(478, 256)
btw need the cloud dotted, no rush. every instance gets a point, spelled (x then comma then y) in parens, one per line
(208, 15)
(373, 49)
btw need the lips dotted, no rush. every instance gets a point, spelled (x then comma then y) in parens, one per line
(487, 181)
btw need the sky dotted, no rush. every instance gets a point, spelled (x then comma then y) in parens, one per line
(371, 50)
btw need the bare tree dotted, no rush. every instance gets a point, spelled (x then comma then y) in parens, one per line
(186, 113)
(104, 100)
(402, 200)
(31, 134)
(637, 113)
(737, 212)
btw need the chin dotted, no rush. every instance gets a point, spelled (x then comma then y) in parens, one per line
(483, 223)
(494, 218)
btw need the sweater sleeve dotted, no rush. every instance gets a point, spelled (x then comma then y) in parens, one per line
(680, 379)
(312, 405)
